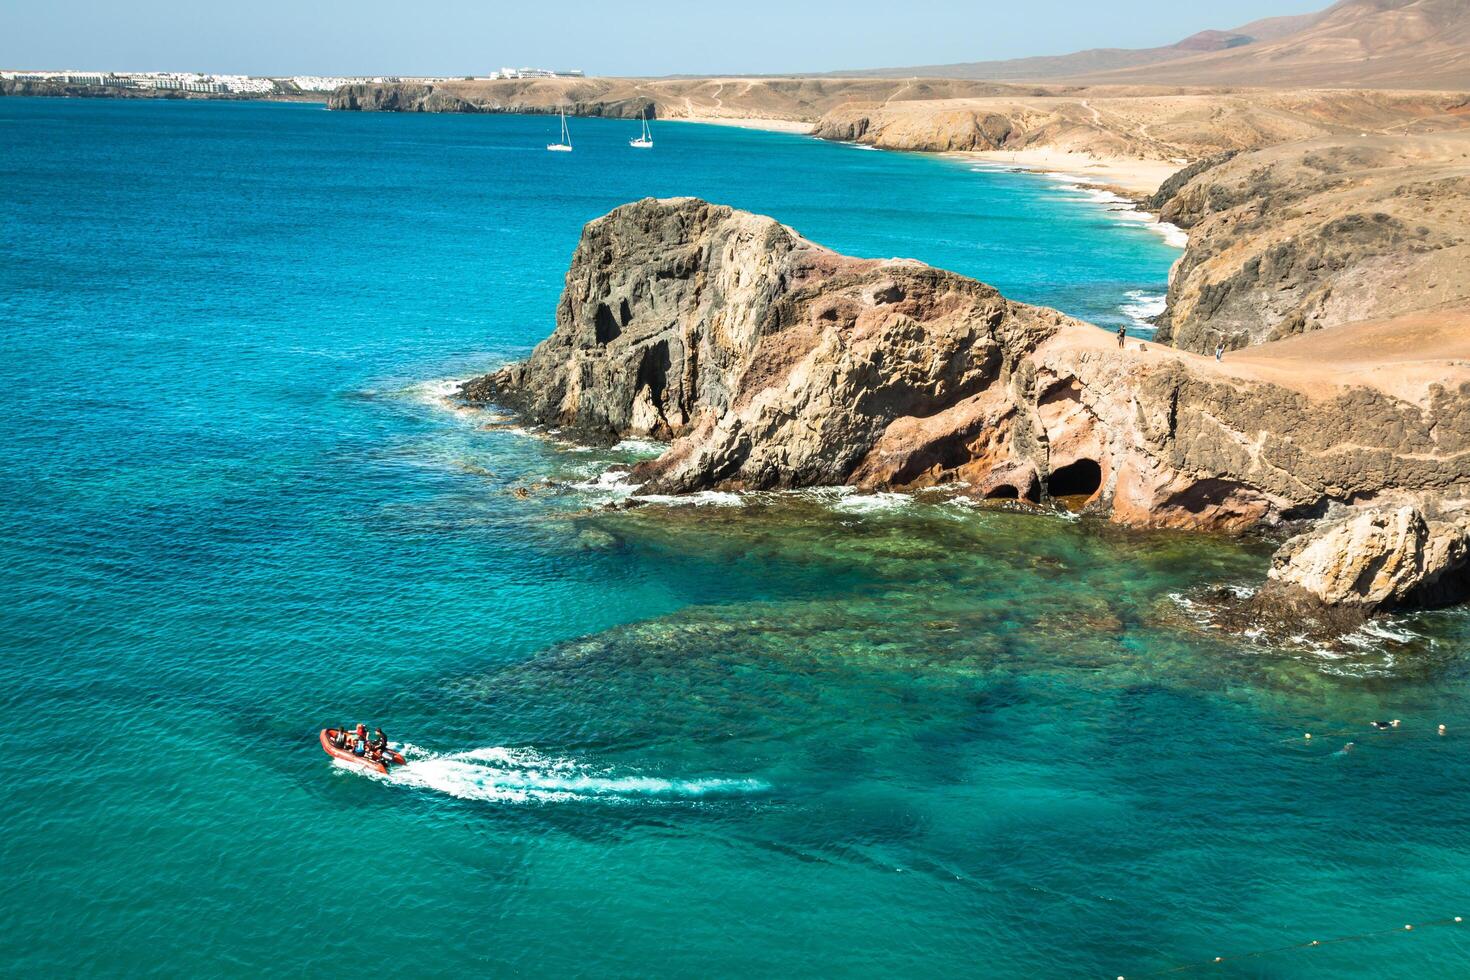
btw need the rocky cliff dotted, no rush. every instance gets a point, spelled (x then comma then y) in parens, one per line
(1310, 235)
(773, 362)
(417, 97)
(1145, 124)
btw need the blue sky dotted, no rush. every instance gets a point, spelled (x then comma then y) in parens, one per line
(651, 37)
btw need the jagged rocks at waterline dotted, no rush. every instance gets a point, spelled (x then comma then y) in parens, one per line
(1373, 562)
(775, 363)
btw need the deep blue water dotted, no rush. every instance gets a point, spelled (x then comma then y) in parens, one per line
(788, 736)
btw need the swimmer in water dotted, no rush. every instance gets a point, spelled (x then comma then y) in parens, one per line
(1345, 749)
(1384, 726)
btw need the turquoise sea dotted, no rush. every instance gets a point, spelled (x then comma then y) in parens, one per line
(783, 735)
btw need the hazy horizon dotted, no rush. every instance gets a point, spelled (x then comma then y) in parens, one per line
(662, 38)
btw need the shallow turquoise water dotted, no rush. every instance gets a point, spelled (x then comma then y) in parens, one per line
(794, 736)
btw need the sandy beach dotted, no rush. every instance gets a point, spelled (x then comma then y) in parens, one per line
(1135, 177)
(746, 122)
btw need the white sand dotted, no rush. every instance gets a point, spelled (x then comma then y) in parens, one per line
(1137, 177)
(742, 122)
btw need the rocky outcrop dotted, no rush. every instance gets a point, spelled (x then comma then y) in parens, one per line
(15, 86)
(1170, 188)
(1313, 235)
(422, 97)
(1373, 562)
(399, 97)
(934, 127)
(772, 362)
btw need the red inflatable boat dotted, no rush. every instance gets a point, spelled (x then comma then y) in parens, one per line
(329, 744)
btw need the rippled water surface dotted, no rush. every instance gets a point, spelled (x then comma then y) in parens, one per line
(777, 735)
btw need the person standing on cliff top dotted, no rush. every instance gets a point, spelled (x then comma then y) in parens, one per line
(1220, 351)
(1122, 335)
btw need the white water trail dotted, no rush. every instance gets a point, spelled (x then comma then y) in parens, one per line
(508, 774)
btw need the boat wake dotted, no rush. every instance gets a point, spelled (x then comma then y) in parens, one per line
(504, 774)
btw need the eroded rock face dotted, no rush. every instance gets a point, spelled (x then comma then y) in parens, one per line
(777, 363)
(400, 97)
(1312, 235)
(1372, 562)
(422, 97)
(774, 363)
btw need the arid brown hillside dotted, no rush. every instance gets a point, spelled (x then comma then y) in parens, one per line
(1306, 236)
(1405, 44)
(1094, 60)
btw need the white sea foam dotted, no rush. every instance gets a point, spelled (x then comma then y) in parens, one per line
(1173, 234)
(609, 485)
(510, 774)
(648, 446)
(1374, 633)
(703, 498)
(1142, 306)
(439, 393)
(871, 503)
(1366, 652)
(1119, 207)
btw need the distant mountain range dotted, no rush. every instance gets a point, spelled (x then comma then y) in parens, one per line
(1372, 43)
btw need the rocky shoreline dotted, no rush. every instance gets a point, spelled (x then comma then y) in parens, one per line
(419, 97)
(774, 363)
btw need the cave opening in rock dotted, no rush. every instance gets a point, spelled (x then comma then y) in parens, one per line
(1080, 479)
(1003, 492)
(605, 324)
(653, 371)
(624, 313)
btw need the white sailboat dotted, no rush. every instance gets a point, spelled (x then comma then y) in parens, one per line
(565, 145)
(645, 141)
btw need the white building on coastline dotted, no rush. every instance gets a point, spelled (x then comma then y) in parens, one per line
(535, 73)
(185, 81)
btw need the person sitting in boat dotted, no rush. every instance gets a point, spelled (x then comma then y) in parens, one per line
(359, 740)
(377, 744)
(340, 739)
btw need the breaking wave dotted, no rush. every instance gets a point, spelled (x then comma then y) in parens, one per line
(508, 774)
(1120, 207)
(1142, 306)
